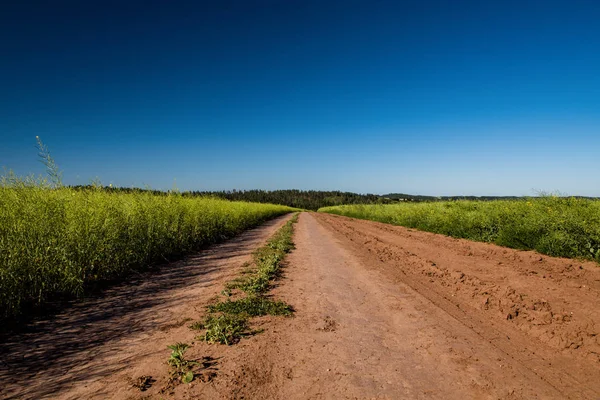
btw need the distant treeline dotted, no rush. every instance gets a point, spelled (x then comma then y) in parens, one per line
(394, 197)
(306, 199)
(420, 198)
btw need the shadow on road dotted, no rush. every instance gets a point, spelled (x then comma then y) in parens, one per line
(65, 342)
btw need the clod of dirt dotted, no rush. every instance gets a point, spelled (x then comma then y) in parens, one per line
(486, 303)
(327, 325)
(143, 382)
(207, 376)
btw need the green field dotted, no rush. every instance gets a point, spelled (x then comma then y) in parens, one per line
(556, 226)
(56, 241)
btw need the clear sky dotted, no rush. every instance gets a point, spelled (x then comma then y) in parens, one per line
(423, 97)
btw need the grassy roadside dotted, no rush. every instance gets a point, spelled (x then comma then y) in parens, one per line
(556, 226)
(55, 242)
(247, 296)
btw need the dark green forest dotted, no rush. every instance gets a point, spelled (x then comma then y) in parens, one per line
(420, 198)
(305, 199)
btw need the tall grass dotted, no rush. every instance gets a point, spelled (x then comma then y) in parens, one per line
(55, 241)
(556, 226)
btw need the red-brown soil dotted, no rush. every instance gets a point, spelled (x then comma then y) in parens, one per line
(381, 312)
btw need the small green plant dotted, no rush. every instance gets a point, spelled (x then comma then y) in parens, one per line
(181, 367)
(252, 285)
(225, 328)
(253, 306)
(54, 173)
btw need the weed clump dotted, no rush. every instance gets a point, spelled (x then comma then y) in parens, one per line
(225, 328)
(181, 367)
(254, 306)
(252, 285)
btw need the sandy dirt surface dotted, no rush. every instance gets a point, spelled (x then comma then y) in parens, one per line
(386, 312)
(382, 312)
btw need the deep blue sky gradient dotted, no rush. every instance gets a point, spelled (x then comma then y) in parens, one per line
(429, 97)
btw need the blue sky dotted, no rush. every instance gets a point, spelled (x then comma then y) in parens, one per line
(422, 97)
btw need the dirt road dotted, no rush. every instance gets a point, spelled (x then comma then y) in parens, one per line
(381, 312)
(385, 312)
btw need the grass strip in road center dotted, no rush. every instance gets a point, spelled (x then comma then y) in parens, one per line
(227, 321)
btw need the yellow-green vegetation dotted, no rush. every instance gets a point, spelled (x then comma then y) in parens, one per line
(227, 320)
(552, 225)
(54, 241)
(224, 328)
